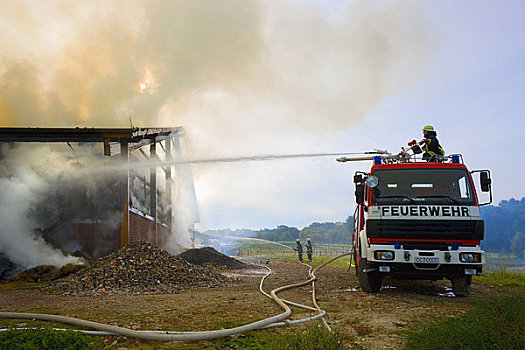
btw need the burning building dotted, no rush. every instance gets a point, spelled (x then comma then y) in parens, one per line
(101, 190)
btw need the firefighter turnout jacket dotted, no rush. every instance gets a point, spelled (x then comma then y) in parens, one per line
(432, 147)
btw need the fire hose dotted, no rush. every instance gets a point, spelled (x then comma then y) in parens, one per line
(277, 320)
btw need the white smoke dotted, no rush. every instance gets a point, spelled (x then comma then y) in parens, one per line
(29, 173)
(185, 211)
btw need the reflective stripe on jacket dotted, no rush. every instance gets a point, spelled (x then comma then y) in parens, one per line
(432, 147)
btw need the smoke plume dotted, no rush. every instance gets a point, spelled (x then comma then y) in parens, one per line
(207, 65)
(241, 76)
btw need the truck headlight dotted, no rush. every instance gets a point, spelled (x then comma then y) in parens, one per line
(470, 257)
(384, 255)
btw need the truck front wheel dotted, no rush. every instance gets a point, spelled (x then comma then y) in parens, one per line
(461, 285)
(370, 282)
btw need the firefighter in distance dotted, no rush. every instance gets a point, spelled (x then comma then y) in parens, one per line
(431, 144)
(299, 250)
(309, 249)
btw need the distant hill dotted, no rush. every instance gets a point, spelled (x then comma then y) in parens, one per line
(505, 227)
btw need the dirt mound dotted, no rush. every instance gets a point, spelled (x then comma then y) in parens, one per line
(46, 273)
(139, 268)
(209, 256)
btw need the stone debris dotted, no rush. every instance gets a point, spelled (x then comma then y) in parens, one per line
(209, 256)
(139, 268)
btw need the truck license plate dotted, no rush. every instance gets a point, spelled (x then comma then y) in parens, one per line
(419, 259)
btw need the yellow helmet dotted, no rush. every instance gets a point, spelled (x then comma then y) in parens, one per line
(428, 128)
(308, 239)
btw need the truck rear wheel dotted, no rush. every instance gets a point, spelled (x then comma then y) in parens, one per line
(461, 285)
(370, 282)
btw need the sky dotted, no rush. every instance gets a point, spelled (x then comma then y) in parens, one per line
(276, 77)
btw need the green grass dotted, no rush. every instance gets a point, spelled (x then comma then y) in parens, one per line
(268, 248)
(503, 277)
(45, 310)
(497, 322)
(342, 262)
(46, 339)
(318, 260)
(312, 336)
(322, 252)
(225, 324)
(22, 285)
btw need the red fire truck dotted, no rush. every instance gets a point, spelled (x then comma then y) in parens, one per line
(418, 220)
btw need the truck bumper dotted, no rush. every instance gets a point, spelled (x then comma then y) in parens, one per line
(424, 264)
(410, 271)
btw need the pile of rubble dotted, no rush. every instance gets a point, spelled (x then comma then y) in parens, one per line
(139, 268)
(209, 256)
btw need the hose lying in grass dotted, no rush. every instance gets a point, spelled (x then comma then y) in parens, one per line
(311, 273)
(186, 336)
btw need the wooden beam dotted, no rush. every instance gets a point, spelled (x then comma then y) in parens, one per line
(107, 147)
(124, 195)
(169, 180)
(134, 135)
(153, 189)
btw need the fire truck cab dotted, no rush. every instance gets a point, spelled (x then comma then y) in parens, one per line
(418, 220)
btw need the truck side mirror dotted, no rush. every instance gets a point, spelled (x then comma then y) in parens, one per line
(358, 179)
(359, 193)
(485, 181)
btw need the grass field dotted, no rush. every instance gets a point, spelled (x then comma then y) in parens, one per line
(494, 261)
(503, 277)
(284, 249)
(493, 323)
(508, 261)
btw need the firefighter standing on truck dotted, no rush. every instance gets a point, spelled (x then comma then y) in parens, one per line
(309, 249)
(431, 144)
(299, 250)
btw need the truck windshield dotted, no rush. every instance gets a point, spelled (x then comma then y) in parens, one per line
(423, 186)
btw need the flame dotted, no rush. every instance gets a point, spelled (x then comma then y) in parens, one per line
(143, 86)
(147, 84)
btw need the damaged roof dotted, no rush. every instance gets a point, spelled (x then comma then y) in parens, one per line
(130, 135)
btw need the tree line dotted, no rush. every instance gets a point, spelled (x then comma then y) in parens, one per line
(505, 227)
(325, 232)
